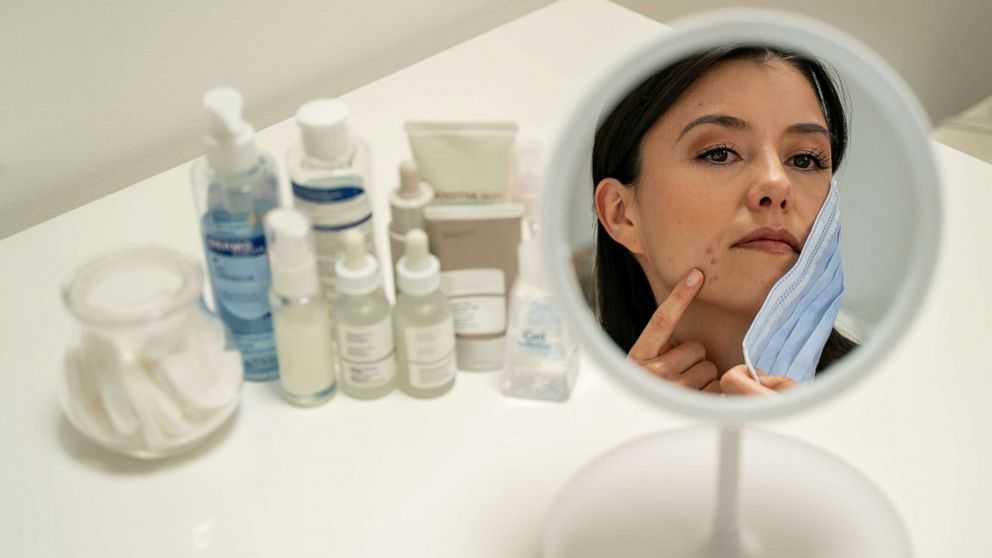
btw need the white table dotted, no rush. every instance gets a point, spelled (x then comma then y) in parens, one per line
(471, 473)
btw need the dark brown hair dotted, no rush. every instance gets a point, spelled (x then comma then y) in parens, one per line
(624, 299)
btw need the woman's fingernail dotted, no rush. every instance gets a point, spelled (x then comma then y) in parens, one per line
(693, 278)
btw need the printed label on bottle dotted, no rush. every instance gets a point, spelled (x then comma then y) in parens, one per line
(240, 278)
(431, 354)
(367, 353)
(335, 205)
(478, 300)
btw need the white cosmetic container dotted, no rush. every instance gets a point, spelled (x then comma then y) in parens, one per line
(301, 316)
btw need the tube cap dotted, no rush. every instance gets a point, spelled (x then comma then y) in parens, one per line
(292, 256)
(324, 129)
(357, 273)
(418, 271)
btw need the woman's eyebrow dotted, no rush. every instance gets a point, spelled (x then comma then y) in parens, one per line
(735, 123)
(724, 120)
(809, 128)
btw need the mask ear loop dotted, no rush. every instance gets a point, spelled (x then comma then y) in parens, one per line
(750, 367)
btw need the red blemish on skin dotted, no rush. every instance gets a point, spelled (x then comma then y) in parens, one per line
(709, 250)
(715, 277)
(713, 261)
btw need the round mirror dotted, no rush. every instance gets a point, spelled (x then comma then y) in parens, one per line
(788, 166)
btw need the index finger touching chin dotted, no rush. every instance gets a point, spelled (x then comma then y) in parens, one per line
(654, 339)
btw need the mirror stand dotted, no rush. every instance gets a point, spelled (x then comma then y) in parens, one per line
(775, 496)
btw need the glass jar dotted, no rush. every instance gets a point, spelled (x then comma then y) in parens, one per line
(150, 374)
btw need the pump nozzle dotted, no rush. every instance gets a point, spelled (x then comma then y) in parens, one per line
(292, 257)
(224, 106)
(230, 140)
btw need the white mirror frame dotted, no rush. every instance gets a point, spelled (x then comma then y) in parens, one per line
(854, 62)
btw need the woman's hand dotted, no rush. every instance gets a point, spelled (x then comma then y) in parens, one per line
(685, 364)
(738, 381)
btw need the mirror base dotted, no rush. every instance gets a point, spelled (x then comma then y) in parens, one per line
(656, 496)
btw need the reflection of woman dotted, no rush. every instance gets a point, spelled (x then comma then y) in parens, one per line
(709, 176)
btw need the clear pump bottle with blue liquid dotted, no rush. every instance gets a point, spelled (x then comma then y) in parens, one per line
(235, 186)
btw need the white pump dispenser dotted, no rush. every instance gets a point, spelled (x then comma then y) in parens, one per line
(230, 141)
(300, 315)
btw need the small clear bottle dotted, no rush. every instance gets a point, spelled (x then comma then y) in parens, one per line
(330, 174)
(541, 358)
(424, 327)
(363, 323)
(234, 186)
(301, 316)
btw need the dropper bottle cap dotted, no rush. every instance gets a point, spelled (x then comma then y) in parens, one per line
(357, 272)
(324, 129)
(230, 141)
(292, 257)
(407, 202)
(418, 271)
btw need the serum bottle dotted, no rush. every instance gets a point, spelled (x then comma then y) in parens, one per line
(363, 322)
(234, 187)
(330, 175)
(425, 331)
(300, 314)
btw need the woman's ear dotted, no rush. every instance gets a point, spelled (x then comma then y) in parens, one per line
(616, 209)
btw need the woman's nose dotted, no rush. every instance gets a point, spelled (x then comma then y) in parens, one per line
(771, 188)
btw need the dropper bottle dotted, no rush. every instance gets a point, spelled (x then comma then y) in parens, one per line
(363, 323)
(424, 328)
(300, 314)
(407, 203)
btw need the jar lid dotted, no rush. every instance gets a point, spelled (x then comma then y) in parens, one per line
(133, 285)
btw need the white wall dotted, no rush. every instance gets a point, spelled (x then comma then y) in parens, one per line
(97, 95)
(942, 49)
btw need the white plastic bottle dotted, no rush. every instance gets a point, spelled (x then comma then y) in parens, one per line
(407, 203)
(234, 186)
(300, 314)
(363, 324)
(424, 328)
(329, 170)
(541, 359)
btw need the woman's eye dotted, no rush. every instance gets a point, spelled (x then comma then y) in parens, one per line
(716, 155)
(809, 162)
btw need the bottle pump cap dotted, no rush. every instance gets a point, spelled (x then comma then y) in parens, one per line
(419, 272)
(357, 272)
(324, 129)
(292, 256)
(230, 141)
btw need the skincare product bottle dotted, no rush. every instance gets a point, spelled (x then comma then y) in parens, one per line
(235, 186)
(424, 330)
(477, 248)
(363, 322)
(541, 358)
(464, 162)
(329, 171)
(301, 315)
(407, 203)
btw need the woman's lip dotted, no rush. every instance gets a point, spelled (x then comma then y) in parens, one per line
(766, 245)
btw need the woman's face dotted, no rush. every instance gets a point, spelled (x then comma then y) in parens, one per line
(731, 179)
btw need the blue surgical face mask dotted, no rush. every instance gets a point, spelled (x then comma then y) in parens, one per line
(787, 336)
